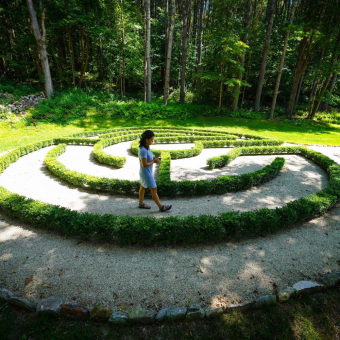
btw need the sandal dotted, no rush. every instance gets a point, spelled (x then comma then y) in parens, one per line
(144, 206)
(165, 208)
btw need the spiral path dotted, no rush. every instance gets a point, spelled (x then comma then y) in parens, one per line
(125, 278)
(29, 177)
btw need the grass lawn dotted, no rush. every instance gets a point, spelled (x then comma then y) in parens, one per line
(17, 134)
(310, 318)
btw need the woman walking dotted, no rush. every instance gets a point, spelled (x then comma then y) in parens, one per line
(146, 161)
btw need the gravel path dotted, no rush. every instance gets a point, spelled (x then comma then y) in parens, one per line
(29, 176)
(125, 278)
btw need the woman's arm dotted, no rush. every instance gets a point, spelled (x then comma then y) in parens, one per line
(145, 163)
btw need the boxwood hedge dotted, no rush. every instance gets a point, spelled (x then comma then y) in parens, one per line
(165, 186)
(128, 230)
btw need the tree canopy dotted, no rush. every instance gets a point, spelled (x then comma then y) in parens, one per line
(225, 52)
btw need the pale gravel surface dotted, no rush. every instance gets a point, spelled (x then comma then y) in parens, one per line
(29, 176)
(87, 273)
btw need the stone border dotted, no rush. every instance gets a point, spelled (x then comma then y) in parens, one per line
(102, 313)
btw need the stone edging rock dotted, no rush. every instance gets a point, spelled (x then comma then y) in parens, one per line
(20, 105)
(101, 313)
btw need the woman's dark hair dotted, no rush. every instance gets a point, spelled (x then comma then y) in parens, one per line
(146, 135)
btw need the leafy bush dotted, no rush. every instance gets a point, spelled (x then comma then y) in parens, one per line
(174, 95)
(144, 231)
(17, 90)
(60, 108)
(84, 180)
(218, 185)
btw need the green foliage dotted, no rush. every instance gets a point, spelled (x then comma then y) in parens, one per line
(218, 185)
(17, 90)
(66, 106)
(332, 117)
(144, 231)
(105, 158)
(87, 181)
(175, 154)
(74, 103)
(220, 161)
(140, 110)
(174, 96)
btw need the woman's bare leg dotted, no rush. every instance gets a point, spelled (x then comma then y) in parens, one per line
(141, 194)
(155, 197)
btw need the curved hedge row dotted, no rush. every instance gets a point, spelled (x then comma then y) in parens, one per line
(87, 181)
(103, 157)
(220, 185)
(239, 143)
(200, 145)
(161, 137)
(148, 230)
(221, 161)
(175, 154)
(193, 131)
(165, 186)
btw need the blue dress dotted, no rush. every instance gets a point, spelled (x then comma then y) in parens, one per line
(145, 174)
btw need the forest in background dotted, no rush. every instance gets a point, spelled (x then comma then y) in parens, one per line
(233, 54)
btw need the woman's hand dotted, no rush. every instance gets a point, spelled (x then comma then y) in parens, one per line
(156, 160)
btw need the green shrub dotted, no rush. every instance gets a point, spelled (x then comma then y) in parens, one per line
(145, 231)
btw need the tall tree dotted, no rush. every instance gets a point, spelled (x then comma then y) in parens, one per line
(279, 74)
(245, 34)
(272, 8)
(148, 59)
(186, 15)
(301, 64)
(169, 50)
(84, 57)
(123, 49)
(41, 42)
(314, 107)
(202, 10)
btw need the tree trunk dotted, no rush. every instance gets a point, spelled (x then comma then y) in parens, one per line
(331, 88)
(169, 50)
(72, 55)
(299, 88)
(317, 74)
(123, 49)
(40, 38)
(36, 61)
(100, 57)
(301, 65)
(221, 83)
(13, 55)
(186, 14)
(314, 96)
(317, 104)
(265, 55)
(245, 79)
(194, 22)
(166, 31)
(325, 85)
(199, 42)
(246, 24)
(84, 62)
(278, 79)
(148, 34)
(145, 71)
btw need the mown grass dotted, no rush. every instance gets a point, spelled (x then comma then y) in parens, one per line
(13, 134)
(310, 318)
(75, 110)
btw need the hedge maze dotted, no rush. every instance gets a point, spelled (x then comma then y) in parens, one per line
(173, 229)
